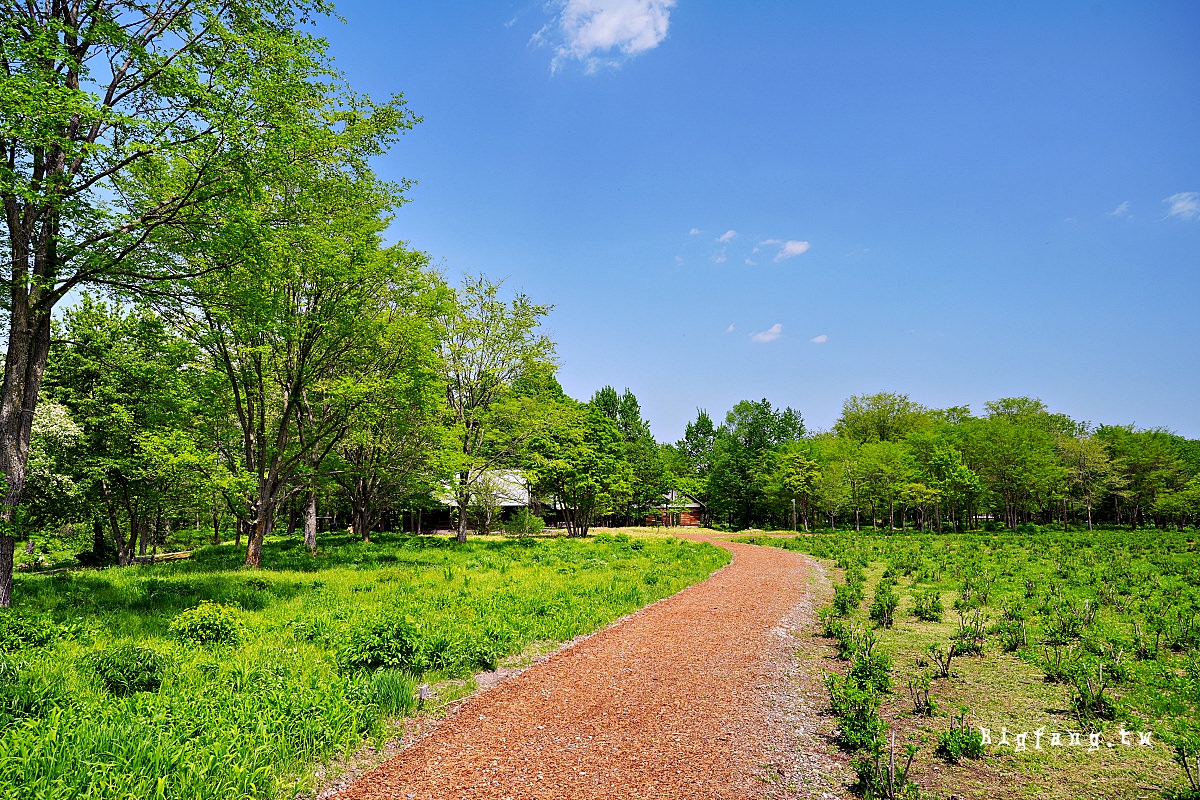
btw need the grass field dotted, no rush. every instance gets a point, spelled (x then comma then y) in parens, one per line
(196, 679)
(1085, 633)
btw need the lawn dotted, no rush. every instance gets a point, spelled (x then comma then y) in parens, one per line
(196, 679)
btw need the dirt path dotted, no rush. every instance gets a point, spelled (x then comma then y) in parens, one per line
(696, 696)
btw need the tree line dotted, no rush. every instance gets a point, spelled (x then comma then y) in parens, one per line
(891, 463)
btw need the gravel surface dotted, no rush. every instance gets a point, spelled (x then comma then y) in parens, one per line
(699, 695)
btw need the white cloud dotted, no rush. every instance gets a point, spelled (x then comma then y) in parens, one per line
(678, 260)
(605, 33)
(1121, 210)
(730, 328)
(719, 258)
(695, 232)
(787, 249)
(750, 263)
(792, 248)
(1185, 205)
(769, 335)
(727, 236)
(822, 339)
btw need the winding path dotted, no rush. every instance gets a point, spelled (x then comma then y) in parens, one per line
(685, 699)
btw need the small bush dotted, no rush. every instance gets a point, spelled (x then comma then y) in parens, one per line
(524, 523)
(24, 693)
(960, 741)
(19, 630)
(884, 604)
(872, 671)
(928, 606)
(847, 598)
(391, 642)
(882, 776)
(857, 709)
(128, 668)
(208, 624)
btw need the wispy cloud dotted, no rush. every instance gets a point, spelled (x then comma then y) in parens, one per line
(769, 335)
(787, 249)
(751, 263)
(1185, 205)
(727, 236)
(719, 257)
(730, 328)
(604, 33)
(678, 260)
(1121, 210)
(821, 339)
(695, 232)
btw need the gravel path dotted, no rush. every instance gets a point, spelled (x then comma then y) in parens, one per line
(698, 695)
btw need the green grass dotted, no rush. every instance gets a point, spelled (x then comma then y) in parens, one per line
(1140, 585)
(253, 719)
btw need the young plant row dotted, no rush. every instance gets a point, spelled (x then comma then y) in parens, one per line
(857, 697)
(1112, 618)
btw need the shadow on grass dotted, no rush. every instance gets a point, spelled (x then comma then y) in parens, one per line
(157, 592)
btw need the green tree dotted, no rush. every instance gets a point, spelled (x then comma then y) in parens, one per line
(578, 457)
(135, 388)
(650, 481)
(882, 417)
(795, 481)
(293, 308)
(120, 121)
(742, 460)
(488, 346)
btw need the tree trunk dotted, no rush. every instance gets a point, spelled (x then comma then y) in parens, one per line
(362, 521)
(97, 539)
(24, 366)
(264, 521)
(8, 548)
(310, 522)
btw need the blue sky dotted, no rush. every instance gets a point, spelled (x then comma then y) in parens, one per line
(804, 201)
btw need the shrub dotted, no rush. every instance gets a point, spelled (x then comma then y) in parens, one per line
(928, 606)
(882, 777)
(918, 692)
(884, 604)
(1088, 698)
(391, 642)
(872, 671)
(24, 693)
(207, 624)
(19, 630)
(524, 523)
(846, 598)
(857, 709)
(960, 741)
(128, 668)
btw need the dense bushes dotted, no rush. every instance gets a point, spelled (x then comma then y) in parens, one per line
(128, 668)
(208, 624)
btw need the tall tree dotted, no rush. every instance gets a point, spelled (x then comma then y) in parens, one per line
(120, 120)
(882, 417)
(294, 313)
(650, 482)
(487, 347)
(742, 458)
(578, 457)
